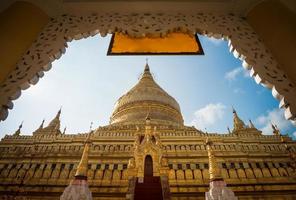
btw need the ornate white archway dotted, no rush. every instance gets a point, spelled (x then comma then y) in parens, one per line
(244, 43)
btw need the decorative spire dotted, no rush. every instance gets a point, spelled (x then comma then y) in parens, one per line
(147, 73)
(251, 125)
(147, 68)
(82, 168)
(90, 127)
(78, 188)
(18, 131)
(40, 128)
(42, 124)
(59, 112)
(228, 130)
(218, 187)
(55, 124)
(238, 124)
(65, 130)
(214, 170)
(275, 129)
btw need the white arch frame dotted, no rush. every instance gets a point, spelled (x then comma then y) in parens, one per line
(244, 43)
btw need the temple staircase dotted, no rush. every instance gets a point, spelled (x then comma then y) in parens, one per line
(150, 189)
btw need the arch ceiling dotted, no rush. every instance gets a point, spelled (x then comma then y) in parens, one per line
(244, 43)
(54, 8)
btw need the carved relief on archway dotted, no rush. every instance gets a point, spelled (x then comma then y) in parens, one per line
(147, 144)
(243, 42)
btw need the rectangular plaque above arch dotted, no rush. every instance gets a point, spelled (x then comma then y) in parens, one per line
(172, 44)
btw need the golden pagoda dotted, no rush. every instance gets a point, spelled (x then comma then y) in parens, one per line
(146, 152)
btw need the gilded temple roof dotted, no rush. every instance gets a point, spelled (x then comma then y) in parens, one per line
(146, 94)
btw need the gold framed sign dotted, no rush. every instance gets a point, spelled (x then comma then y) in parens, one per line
(172, 44)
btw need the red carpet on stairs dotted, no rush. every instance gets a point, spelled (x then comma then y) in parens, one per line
(150, 189)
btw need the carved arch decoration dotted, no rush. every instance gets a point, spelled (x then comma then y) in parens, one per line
(141, 163)
(244, 43)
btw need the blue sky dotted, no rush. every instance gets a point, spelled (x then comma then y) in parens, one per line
(87, 83)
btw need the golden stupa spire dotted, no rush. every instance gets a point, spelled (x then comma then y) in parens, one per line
(134, 105)
(238, 124)
(82, 168)
(214, 170)
(147, 73)
(18, 131)
(147, 65)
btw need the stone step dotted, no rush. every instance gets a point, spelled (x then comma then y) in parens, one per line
(149, 189)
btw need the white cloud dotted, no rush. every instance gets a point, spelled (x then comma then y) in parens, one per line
(215, 41)
(239, 91)
(208, 115)
(233, 74)
(276, 116)
(294, 134)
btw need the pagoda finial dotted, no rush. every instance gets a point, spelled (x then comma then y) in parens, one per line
(82, 168)
(238, 124)
(40, 128)
(146, 73)
(90, 127)
(214, 170)
(147, 68)
(275, 129)
(57, 117)
(233, 110)
(59, 112)
(228, 129)
(251, 125)
(18, 131)
(41, 125)
(65, 130)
